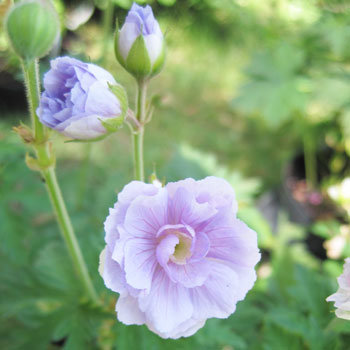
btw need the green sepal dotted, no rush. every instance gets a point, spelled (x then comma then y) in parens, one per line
(112, 124)
(32, 27)
(138, 62)
(99, 138)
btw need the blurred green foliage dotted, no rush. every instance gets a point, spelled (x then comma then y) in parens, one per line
(238, 76)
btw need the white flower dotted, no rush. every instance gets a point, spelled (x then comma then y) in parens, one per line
(342, 296)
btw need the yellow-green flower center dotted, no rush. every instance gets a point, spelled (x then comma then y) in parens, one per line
(182, 249)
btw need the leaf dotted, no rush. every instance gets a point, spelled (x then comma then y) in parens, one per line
(326, 229)
(275, 86)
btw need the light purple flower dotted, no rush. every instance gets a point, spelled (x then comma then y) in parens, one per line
(77, 100)
(342, 296)
(140, 42)
(177, 255)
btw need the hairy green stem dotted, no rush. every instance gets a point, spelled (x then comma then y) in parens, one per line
(31, 78)
(138, 135)
(67, 231)
(45, 160)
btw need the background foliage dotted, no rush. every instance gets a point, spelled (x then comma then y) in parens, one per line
(245, 82)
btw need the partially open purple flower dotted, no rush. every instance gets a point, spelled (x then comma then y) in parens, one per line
(77, 100)
(177, 255)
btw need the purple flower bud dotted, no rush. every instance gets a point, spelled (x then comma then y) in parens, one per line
(77, 100)
(177, 255)
(139, 44)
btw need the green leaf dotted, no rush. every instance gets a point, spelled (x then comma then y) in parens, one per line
(326, 229)
(275, 88)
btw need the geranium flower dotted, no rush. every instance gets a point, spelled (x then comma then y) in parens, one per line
(81, 100)
(342, 296)
(177, 255)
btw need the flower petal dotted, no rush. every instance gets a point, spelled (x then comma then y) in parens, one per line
(113, 276)
(185, 329)
(167, 305)
(217, 297)
(184, 209)
(189, 275)
(117, 214)
(147, 214)
(216, 191)
(128, 311)
(232, 240)
(165, 248)
(140, 262)
(101, 101)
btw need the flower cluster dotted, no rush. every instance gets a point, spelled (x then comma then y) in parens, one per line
(177, 255)
(342, 296)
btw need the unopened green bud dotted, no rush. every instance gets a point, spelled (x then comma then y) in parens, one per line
(32, 27)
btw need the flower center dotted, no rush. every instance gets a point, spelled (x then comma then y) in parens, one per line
(182, 249)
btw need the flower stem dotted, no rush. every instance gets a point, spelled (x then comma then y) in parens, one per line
(45, 160)
(31, 78)
(67, 231)
(139, 133)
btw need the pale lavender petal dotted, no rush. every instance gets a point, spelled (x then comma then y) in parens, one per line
(189, 184)
(127, 37)
(165, 248)
(189, 275)
(169, 229)
(183, 208)
(140, 262)
(167, 305)
(146, 215)
(185, 329)
(101, 101)
(117, 214)
(232, 240)
(216, 191)
(218, 296)
(85, 128)
(101, 74)
(154, 45)
(128, 311)
(200, 248)
(113, 275)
